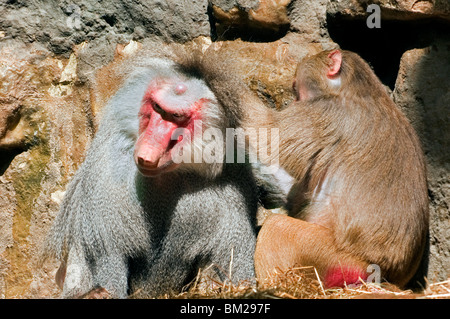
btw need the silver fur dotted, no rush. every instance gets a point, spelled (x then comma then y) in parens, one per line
(122, 231)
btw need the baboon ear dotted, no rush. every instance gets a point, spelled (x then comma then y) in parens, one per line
(335, 65)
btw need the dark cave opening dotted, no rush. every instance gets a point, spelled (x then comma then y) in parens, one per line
(6, 157)
(383, 47)
(244, 30)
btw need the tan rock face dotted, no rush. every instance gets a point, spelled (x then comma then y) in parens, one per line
(266, 68)
(45, 134)
(265, 15)
(423, 94)
(271, 13)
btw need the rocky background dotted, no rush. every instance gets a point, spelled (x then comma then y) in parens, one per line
(55, 57)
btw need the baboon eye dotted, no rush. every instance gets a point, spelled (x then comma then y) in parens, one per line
(178, 117)
(157, 108)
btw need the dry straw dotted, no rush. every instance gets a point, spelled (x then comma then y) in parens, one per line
(301, 283)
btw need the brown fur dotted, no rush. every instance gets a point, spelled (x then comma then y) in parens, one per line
(355, 145)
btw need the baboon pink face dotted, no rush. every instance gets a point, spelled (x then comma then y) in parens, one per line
(168, 105)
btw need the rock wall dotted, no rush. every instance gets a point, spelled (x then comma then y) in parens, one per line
(55, 56)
